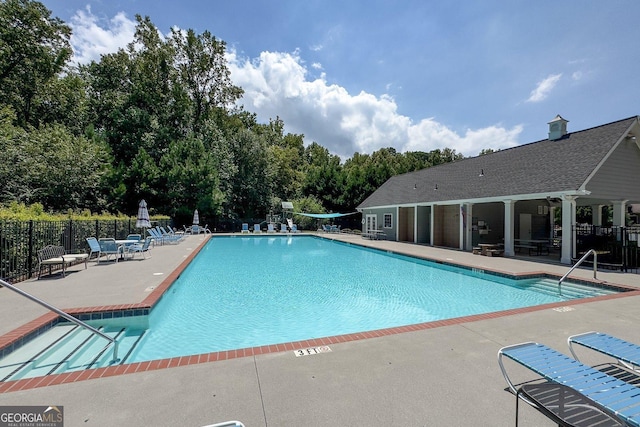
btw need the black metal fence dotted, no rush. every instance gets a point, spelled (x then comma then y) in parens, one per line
(616, 246)
(21, 240)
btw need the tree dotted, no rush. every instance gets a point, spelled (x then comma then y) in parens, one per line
(50, 166)
(203, 73)
(324, 179)
(34, 48)
(252, 183)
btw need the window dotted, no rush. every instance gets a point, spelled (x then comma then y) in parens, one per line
(388, 220)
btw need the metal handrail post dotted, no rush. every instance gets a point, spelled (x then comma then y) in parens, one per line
(595, 265)
(65, 315)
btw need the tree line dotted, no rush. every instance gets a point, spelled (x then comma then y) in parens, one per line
(158, 120)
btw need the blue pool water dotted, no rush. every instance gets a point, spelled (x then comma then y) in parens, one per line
(251, 291)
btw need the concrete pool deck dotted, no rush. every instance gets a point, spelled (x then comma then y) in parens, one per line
(446, 374)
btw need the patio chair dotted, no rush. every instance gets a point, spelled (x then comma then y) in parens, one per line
(256, 228)
(137, 237)
(163, 236)
(270, 228)
(626, 353)
(326, 228)
(138, 248)
(170, 234)
(94, 247)
(195, 229)
(205, 229)
(283, 228)
(245, 228)
(599, 393)
(109, 247)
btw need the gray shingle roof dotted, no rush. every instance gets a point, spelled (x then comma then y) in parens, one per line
(539, 167)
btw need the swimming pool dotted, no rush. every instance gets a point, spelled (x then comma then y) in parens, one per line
(251, 291)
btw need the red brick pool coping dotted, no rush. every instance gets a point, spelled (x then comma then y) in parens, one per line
(156, 294)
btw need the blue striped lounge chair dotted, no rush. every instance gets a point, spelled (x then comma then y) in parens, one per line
(625, 352)
(607, 393)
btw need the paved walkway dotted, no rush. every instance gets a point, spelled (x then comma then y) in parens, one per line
(445, 375)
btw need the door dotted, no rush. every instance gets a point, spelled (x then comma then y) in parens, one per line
(371, 222)
(525, 226)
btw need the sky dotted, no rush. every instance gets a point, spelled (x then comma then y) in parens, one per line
(415, 75)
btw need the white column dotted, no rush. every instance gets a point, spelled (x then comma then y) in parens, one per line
(509, 214)
(397, 223)
(619, 213)
(461, 231)
(596, 215)
(552, 222)
(431, 224)
(468, 238)
(568, 233)
(415, 224)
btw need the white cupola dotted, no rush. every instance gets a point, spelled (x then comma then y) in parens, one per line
(557, 128)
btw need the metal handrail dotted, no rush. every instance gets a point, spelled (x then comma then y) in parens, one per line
(66, 316)
(595, 265)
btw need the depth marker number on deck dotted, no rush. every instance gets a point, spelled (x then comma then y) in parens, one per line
(312, 350)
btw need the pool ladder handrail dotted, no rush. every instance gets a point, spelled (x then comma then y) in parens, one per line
(66, 316)
(584, 257)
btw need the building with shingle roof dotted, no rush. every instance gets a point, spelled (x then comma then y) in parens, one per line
(510, 195)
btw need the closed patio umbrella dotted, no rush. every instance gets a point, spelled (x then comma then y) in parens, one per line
(143, 216)
(195, 228)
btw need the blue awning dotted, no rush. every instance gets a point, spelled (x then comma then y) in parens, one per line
(324, 215)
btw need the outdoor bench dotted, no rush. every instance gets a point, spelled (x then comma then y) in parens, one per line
(55, 255)
(522, 246)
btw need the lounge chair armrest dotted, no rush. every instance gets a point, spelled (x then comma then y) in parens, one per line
(504, 352)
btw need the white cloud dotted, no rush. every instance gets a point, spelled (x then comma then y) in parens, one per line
(90, 40)
(544, 87)
(276, 84)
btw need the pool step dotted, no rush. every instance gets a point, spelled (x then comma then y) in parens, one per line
(67, 348)
(568, 290)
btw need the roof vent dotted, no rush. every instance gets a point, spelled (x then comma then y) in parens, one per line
(557, 128)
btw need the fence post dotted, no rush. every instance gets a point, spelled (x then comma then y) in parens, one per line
(30, 250)
(70, 236)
